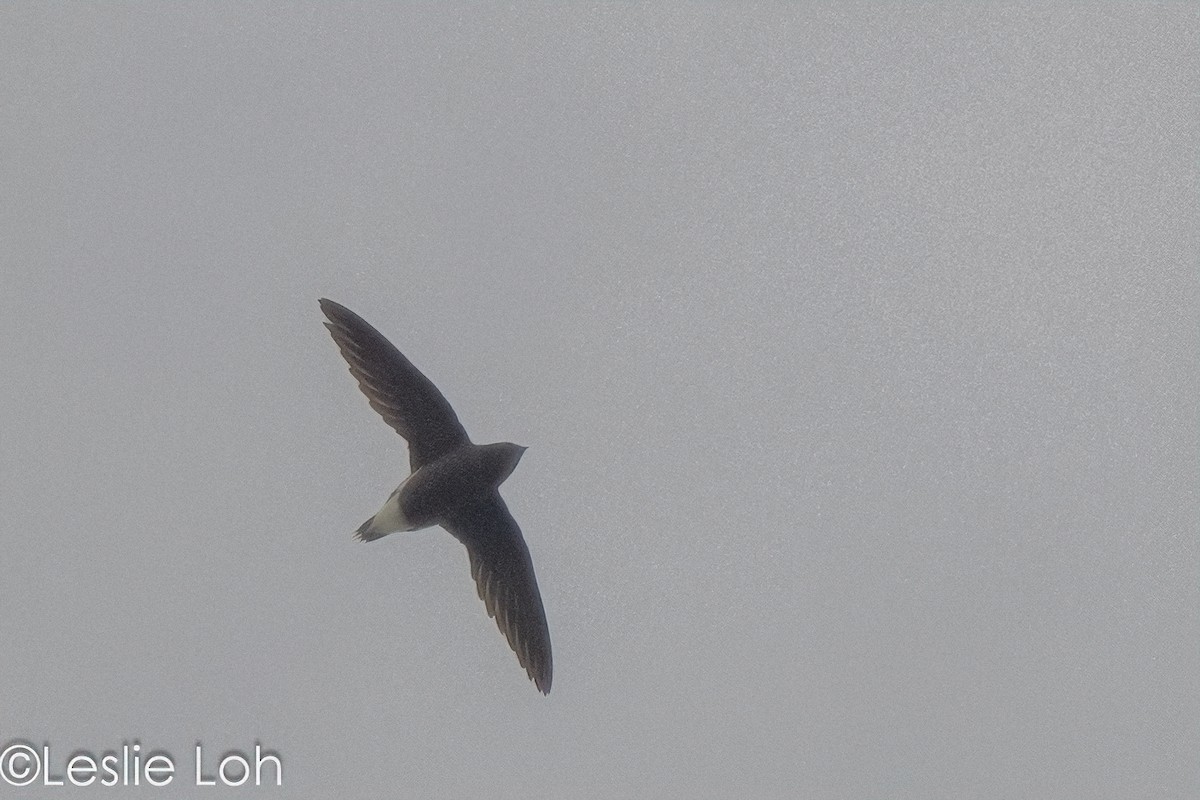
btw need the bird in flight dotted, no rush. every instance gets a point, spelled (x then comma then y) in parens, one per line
(453, 483)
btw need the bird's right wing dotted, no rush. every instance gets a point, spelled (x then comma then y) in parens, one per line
(406, 399)
(503, 573)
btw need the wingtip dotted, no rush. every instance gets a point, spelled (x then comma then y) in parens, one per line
(331, 308)
(542, 679)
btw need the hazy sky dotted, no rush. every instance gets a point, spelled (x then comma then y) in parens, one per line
(856, 352)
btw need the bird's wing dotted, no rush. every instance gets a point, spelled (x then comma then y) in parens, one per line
(406, 399)
(503, 573)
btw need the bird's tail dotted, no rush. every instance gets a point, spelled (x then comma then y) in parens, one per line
(367, 532)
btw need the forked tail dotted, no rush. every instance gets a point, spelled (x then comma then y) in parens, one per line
(367, 532)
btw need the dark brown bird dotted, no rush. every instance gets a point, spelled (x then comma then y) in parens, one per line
(454, 483)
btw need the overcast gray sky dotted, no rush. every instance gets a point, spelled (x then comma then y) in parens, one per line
(856, 351)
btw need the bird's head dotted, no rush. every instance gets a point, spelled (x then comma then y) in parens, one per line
(506, 455)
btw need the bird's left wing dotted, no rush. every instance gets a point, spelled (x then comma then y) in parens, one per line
(503, 573)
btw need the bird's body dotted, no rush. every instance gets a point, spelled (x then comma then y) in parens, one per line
(453, 483)
(434, 491)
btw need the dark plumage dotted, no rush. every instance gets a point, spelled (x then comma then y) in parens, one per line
(454, 483)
